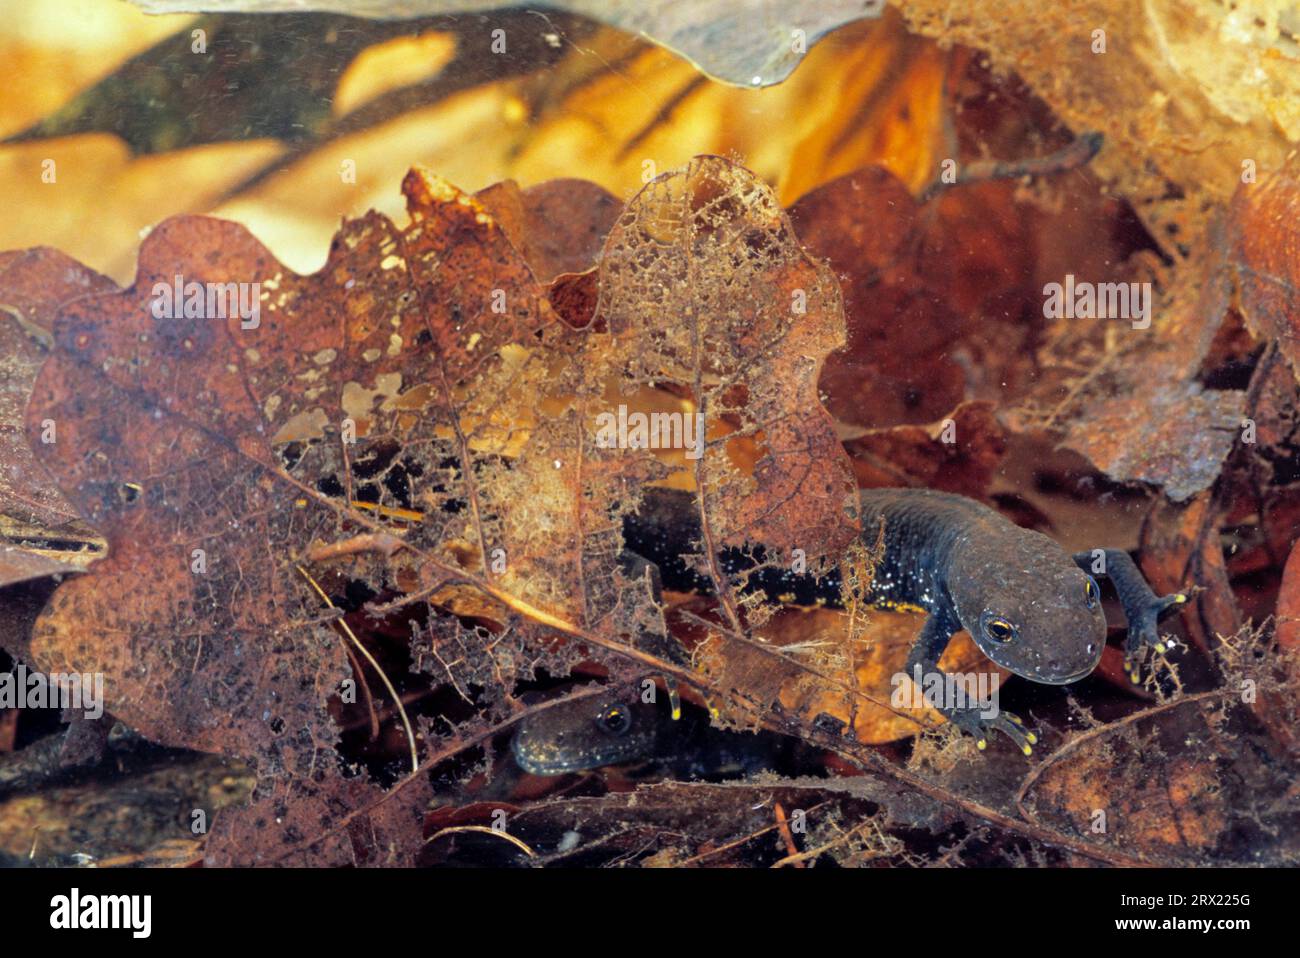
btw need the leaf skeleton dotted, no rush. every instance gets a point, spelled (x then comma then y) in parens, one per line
(1030, 607)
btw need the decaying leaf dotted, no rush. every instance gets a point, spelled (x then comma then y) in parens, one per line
(39, 531)
(1264, 233)
(557, 227)
(916, 324)
(1133, 399)
(1181, 813)
(1288, 603)
(676, 824)
(1185, 91)
(369, 520)
(871, 699)
(415, 410)
(1174, 438)
(1174, 781)
(959, 453)
(331, 821)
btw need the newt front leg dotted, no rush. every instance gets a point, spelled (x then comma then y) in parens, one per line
(1143, 609)
(977, 720)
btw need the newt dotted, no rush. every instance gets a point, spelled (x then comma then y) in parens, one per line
(610, 730)
(1030, 606)
(587, 734)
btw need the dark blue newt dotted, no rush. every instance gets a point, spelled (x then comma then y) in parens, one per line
(612, 730)
(587, 734)
(1028, 605)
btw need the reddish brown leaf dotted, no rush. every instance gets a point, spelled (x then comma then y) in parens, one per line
(1264, 233)
(329, 822)
(558, 226)
(218, 456)
(39, 531)
(957, 454)
(1288, 604)
(1101, 786)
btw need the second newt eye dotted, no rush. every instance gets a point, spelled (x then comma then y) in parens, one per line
(1090, 592)
(999, 630)
(615, 720)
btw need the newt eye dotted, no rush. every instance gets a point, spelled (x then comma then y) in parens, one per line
(999, 630)
(1091, 592)
(615, 719)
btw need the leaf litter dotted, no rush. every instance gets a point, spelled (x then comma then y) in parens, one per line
(412, 424)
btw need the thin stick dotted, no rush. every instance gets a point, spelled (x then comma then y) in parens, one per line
(797, 859)
(1078, 153)
(1100, 730)
(783, 826)
(365, 688)
(397, 699)
(484, 830)
(736, 843)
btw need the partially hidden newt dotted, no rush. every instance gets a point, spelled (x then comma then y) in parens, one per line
(611, 730)
(587, 734)
(1029, 605)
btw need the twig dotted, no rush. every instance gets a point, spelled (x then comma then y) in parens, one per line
(1098, 731)
(397, 699)
(1076, 154)
(484, 830)
(783, 827)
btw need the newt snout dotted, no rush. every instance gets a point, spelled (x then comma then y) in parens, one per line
(586, 734)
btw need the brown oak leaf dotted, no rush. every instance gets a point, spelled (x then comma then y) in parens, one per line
(414, 418)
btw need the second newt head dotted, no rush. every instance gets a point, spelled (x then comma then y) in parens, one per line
(586, 734)
(1027, 605)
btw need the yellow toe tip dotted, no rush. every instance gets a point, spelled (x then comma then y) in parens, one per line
(981, 745)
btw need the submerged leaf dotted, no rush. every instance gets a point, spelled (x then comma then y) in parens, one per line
(413, 418)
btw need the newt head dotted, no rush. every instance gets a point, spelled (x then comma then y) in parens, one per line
(586, 734)
(1027, 605)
